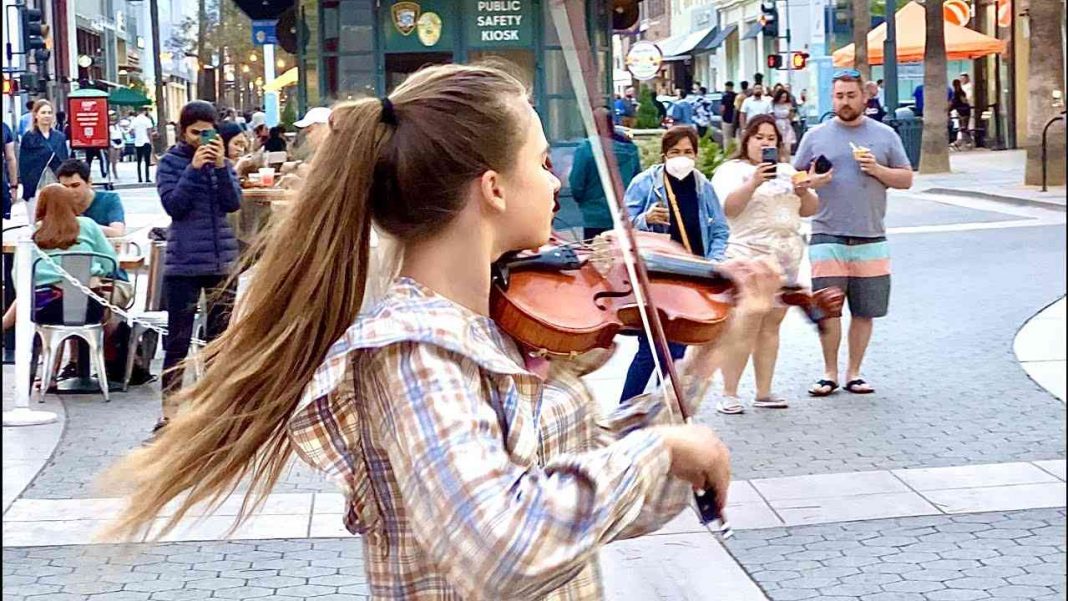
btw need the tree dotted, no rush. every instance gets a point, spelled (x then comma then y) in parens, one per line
(861, 27)
(1046, 76)
(223, 35)
(934, 155)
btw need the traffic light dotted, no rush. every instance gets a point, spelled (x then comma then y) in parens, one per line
(775, 61)
(798, 60)
(28, 81)
(11, 86)
(769, 18)
(33, 29)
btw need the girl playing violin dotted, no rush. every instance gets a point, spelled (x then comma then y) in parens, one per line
(467, 476)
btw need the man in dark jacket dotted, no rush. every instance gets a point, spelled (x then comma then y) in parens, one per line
(585, 181)
(198, 187)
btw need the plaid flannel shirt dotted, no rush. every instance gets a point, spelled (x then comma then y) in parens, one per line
(467, 476)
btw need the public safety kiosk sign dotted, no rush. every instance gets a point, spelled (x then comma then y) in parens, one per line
(88, 122)
(499, 23)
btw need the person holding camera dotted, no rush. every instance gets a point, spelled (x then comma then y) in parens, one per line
(198, 187)
(764, 199)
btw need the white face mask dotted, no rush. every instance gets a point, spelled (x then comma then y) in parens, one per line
(679, 167)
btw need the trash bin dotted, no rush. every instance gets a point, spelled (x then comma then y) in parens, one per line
(910, 130)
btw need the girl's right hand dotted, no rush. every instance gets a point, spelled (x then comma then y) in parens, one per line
(203, 155)
(765, 172)
(699, 457)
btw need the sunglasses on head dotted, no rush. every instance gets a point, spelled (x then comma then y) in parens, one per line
(846, 74)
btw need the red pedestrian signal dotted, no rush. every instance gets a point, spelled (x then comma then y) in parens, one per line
(799, 60)
(775, 61)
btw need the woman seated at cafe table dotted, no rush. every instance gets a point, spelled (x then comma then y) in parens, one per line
(59, 228)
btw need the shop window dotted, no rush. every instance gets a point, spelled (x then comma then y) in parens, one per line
(347, 26)
(349, 76)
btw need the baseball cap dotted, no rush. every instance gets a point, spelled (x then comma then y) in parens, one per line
(258, 119)
(319, 114)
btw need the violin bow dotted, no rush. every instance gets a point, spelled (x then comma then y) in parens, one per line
(583, 73)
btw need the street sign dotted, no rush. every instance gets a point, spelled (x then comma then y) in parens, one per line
(88, 122)
(643, 60)
(264, 32)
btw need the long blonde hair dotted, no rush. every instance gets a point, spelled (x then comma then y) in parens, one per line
(452, 123)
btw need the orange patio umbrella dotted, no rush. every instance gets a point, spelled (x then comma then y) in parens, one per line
(961, 43)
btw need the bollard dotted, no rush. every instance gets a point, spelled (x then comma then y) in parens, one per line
(22, 415)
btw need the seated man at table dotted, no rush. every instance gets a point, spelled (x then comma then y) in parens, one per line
(102, 206)
(105, 208)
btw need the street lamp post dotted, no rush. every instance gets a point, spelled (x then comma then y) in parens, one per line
(157, 63)
(890, 58)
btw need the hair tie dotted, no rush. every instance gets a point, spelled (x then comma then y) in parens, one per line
(388, 116)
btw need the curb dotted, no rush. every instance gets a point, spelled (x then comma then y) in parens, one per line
(1013, 200)
(1042, 382)
(56, 404)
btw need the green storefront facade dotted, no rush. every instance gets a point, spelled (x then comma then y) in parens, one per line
(359, 48)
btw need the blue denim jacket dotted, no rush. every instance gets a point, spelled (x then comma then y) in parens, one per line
(647, 189)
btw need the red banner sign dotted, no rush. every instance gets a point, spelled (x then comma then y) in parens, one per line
(88, 119)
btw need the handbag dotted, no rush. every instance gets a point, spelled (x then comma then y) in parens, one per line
(47, 176)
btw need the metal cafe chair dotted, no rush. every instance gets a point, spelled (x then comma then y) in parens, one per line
(75, 313)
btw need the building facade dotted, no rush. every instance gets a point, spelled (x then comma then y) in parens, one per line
(361, 48)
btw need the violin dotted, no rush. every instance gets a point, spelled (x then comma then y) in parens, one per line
(567, 299)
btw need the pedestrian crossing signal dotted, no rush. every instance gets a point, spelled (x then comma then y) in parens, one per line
(11, 87)
(775, 61)
(798, 60)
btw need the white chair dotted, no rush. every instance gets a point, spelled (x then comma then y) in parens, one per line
(75, 307)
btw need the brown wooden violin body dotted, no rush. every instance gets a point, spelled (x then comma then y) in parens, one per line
(568, 299)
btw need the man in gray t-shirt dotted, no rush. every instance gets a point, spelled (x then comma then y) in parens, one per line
(848, 248)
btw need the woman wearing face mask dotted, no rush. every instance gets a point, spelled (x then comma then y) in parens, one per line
(782, 107)
(198, 187)
(764, 202)
(675, 198)
(43, 146)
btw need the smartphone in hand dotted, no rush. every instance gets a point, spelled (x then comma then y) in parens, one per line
(769, 155)
(823, 164)
(207, 136)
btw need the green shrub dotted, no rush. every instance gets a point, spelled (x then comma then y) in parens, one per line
(648, 116)
(289, 115)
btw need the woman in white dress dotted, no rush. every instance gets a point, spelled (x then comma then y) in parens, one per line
(764, 202)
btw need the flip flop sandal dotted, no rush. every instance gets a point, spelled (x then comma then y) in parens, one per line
(771, 403)
(729, 406)
(831, 386)
(854, 386)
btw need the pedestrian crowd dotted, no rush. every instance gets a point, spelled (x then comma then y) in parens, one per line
(752, 206)
(197, 180)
